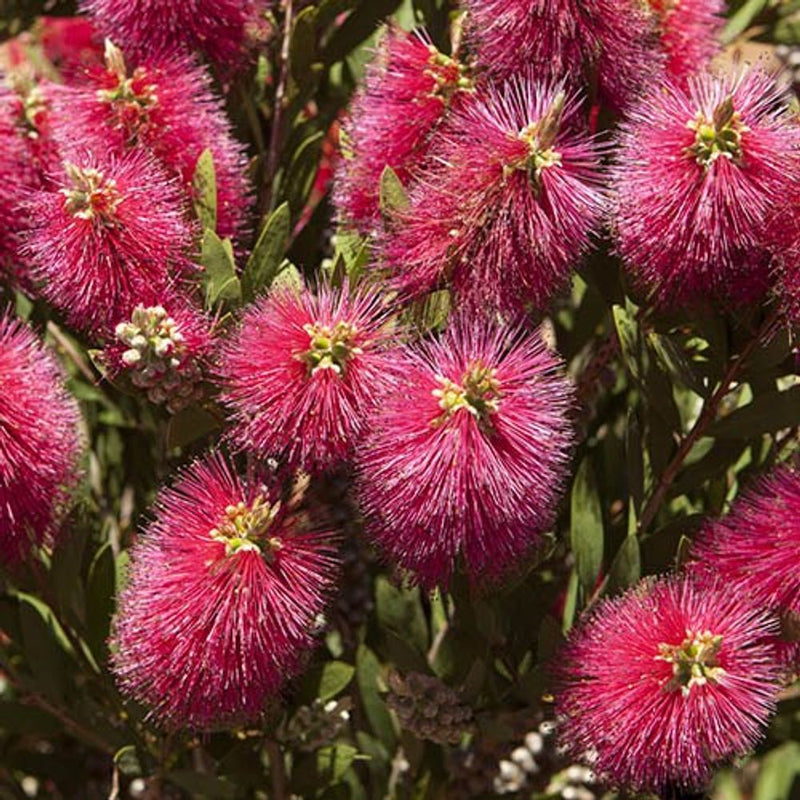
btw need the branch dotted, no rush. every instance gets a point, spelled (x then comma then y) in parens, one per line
(277, 114)
(276, 769)
(707, 416)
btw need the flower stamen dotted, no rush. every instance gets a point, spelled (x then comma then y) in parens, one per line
(244, 528)
(478, 394)
(694, 661)
(718, 137)
(332, 347)
(92, 196)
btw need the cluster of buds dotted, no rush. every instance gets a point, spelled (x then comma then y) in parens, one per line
(449, 75)
(318, 724)
(157, 359)
(428, 708)
(718, 137)
(478, 394)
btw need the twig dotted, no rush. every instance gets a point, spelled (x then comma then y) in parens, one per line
(276, 769)
(277, 115)
(707, 416)
(70, 350)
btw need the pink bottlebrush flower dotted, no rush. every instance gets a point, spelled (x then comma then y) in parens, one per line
(607, 44)
(303, 372)
(508, 203)
(689, 33)
(71, 44)
(685, 153)
(466, 458)
(108, 230)
(39, 441)
(224, 590)
(755, 547)
(164, 349)
(217, 28)
(409, 89)
(167, 105)
(666, 682)
(13, 177)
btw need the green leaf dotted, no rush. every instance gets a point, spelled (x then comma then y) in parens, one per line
(189, 425)
(302, 172)
(219, 279)
(778, 773)
(303, 47)
(204, 191)
(358, 26)
(400, 611)
(768, 413)
(334, 761)
(65, 571)
(267, 256)
(393, 197)
(628, 333)
(368, 672)
(289, 278)
(100, 600)
(127, 761)
(571, 602)
(742, 19)
(46, 646)
(586, 528)
(626, 567)
(326, 681)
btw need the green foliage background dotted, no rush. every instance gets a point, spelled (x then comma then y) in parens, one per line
(679, 413)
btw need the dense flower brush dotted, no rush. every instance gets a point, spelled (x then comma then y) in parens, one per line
(225, 586)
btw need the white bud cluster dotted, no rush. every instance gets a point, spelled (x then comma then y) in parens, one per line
(515, 771)
(157, 359)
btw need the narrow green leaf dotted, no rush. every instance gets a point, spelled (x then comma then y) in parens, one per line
(204, 191)
(303, 47)
(778, 773)
(570, 602)
(267, 256)
(325, 681)
(100, 600)
(628, 333)
(586, 528)
(47, 649)
(393, 197)
(189, 425)
(400, 611)
(302, 172)
(768, 413)
(626, 567)
(202, 784)
(289, 278)
(742, 19)
(219, 280)
(368, 670)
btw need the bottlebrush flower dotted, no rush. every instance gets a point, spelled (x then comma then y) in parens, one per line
(39, 442)
(755, 546)
(167, 105)
(303, 372)
(217, 28)
(689, 31)
(224, 589)
(685, 153)
(163, 352)
(409, 89)
(465, 459)
(610, 44)
(666, 682)
(14, 176)
(107, 230)
(508, 202)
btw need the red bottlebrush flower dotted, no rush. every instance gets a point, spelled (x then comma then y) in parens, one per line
(664, 683)
(508, 202)
(71, 44)
(755, 547)
(466, 458)
(303, 373)
(14, 174)
(689, 31)
(167, 105)
(684, 155)
(224, 590)
(409, 89)
(39, 441)
(108, 230)
(164, 350)
(610, 44)
(217, 28)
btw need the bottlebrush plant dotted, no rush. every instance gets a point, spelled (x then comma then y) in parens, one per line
(399, 399)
